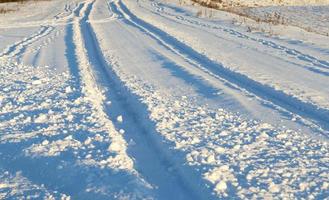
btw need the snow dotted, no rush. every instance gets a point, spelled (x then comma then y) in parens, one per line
(18, 185)
(120, 118)
(125, 99)
(264, 2)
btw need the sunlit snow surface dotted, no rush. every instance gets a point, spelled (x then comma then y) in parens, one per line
(51, 139)
(143, 100)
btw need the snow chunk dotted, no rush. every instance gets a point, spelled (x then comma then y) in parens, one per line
(45, 142)
(221, 187)
(88, 141)
(274, 188)
(116, 147)
(220, 150)
(68, 89)
(36, 82)
(42, 118)
(325, 186)
(303, 186)
(70, 117)
(120, 118)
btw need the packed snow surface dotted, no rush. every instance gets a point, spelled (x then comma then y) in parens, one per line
(153, 99)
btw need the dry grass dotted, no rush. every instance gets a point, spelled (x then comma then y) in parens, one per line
(8, 1)
(274, 18)
(18, 1)
(6, 10)
(271, 18)
(243, 13)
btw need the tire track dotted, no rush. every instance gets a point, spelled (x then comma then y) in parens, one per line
(89, 86)
(50, 39)
(152, 161)
(18, 48)
(314, 64)
(48, 171)
(313, 115)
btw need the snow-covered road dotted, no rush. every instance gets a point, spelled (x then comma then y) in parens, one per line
(144, 99)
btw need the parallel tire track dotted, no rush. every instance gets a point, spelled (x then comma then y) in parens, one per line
(152, 161)
(318, 116)
(313, 64)
(19, 47)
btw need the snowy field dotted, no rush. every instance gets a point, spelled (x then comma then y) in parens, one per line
(163, 99)
(257, 3)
